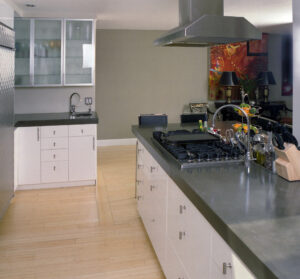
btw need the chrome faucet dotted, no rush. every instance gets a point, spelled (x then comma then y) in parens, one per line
(73, 107)
(248, 153)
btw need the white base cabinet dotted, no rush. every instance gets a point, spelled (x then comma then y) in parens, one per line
(57, 156)
(28, 141)
(186, 245)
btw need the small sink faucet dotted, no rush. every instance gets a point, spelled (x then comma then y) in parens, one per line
(73, 107)
(248, 154)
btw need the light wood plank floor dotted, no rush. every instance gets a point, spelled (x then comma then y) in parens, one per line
(63, 234)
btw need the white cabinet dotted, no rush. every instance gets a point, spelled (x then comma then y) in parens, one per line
(189, 233)
(82, 158)
(152, 200)
(29, 155)
(56, 156)
(225, 264)
(186, 245)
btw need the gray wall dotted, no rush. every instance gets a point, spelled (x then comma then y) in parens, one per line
(296, 68)
(134, 77)
(51, 99)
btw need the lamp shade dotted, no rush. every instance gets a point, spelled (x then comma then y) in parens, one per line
(265, 78)
(229, 79)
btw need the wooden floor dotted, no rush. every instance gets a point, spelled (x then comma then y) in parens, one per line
(63, 233)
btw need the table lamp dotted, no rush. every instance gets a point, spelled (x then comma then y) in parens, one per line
(228, 79)
(264, 79)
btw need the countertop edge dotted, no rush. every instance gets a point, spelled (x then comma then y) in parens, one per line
(52, 119)
(254, 264)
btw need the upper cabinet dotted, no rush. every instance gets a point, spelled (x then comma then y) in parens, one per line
(48, 52)
(79, 52)
(54, 52)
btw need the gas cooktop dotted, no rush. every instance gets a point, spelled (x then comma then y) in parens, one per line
(194, 148)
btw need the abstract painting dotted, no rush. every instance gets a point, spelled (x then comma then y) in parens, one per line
(247, 59)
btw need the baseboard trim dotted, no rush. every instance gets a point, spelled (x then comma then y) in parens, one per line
(56, 185)
(113, 142)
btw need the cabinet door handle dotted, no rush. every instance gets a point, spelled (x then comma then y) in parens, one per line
(54, 132)
(152, 187)
(181, 235)
(139, 198)
(54, 168)
(140, 150)
(226, 266)
(93, 143)
(138, 182)
(181, 209)
(81, 131)
(139, 166)
(54, 156)
(54, 143)
(38, 134)
(152, 169)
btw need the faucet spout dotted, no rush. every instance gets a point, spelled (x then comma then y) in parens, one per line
(72, 107)
(248, 154)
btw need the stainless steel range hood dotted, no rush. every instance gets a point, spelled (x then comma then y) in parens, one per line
(202, 23)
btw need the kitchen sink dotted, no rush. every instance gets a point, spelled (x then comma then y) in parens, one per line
(80, 115)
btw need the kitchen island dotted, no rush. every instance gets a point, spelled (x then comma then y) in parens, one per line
(256, 213)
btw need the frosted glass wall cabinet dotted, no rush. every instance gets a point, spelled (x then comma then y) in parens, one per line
(79, 54)
(54, 52)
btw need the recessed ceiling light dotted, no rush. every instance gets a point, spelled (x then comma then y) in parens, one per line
(30, 5)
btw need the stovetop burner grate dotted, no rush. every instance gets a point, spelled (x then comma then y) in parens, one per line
(197, 154)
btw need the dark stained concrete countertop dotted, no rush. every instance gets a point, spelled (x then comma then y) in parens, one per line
(48, 119)
(257, 214)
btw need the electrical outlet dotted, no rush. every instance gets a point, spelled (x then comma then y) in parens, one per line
(88, 101)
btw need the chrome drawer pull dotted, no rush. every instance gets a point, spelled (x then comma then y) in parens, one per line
(152, 187)
(54, 132)
(181, 208)
(38, 134)
(225, 267)
(139, 198)
(139, 166)
(54, 168)
(54, 143)
(54, 156)
(181, 235)
(152, 169)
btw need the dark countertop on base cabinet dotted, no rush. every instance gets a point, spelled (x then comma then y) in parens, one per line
(48, 119)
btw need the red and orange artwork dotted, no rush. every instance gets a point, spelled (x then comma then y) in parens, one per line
(245, 60)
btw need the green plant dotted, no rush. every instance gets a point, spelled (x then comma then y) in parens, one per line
(248, 84)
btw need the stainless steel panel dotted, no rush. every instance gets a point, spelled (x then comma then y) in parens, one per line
(7, 73)
(7, 37)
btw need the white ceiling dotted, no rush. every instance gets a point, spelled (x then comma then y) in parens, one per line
(151, 14)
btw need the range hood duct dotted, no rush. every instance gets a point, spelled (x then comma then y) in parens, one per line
(202, 23)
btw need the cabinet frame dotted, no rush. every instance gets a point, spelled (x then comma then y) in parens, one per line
(63, 53)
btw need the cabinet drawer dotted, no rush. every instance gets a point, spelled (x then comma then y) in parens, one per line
(54, 131)
(54, 155)
(54, 143)
(54, 172)
(82, 130)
